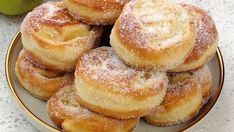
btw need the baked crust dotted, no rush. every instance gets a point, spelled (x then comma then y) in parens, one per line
(55, 39)
(203, 77)
(95, 12)
(153, 35)
(182, 101)
(205, 80)
(187, 93)
(206, 40)
(40, 82)
(66, 112)
(108, 86)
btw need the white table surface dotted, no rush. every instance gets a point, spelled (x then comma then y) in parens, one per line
(221, 118)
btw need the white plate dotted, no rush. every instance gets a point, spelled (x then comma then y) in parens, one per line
(36, 110)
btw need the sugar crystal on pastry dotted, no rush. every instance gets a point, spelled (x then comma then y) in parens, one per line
(108, 86)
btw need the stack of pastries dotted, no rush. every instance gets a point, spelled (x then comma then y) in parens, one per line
(155, 66)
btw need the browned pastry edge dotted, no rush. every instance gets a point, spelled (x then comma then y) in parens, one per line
(71, 116)
(118, 114)
(207, 32)
(170, 103)
(39, 82)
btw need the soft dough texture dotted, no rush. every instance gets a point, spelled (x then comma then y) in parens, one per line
(206, 40)
(40, 82)
(186, 94)
(66, 112)
(95, 12)
(153, 34)
(55, 39)
(106, 85)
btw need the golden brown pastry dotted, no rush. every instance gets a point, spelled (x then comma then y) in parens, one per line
(206, 40)
(66, 112)
(153, 34)
(39, 82)
(182, 101)
(55, 39)
(106, 85)
(205, 79)
(95, 12)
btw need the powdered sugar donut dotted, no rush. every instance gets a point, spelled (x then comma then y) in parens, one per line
(66, 112)
(106, 85)
(186, 94)
(39, 82)
(153, 34)
(55, 39)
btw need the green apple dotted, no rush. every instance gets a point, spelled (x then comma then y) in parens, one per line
(17, 7)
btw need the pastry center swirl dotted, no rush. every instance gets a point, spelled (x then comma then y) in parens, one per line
(160, 25)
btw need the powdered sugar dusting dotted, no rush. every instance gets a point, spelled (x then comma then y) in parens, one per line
(41, 83)
(206, 31)
(181, 83)
(173, 39)
(104, 67)
(184, 80)
(180, 88)
(203, 74)
(64, 105)
(47, 13)
(51, 10)
(153, 24)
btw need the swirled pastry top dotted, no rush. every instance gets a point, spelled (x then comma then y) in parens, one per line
(154, 24)
(102, 68)
(51, 21)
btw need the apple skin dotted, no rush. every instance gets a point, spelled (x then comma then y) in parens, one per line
(18, 7)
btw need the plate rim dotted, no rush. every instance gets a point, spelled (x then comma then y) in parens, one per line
(8, 57)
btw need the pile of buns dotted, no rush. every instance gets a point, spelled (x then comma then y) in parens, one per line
(155, 66)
